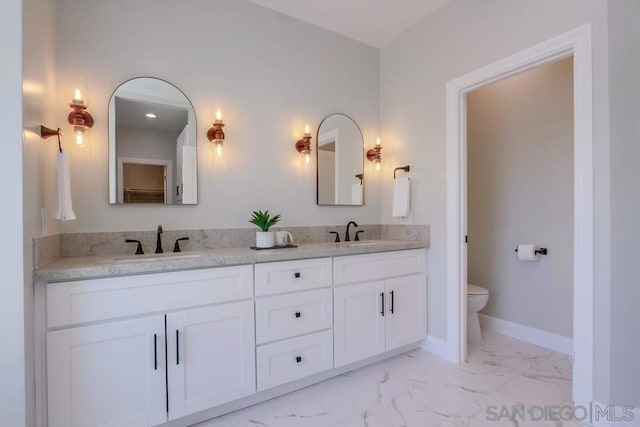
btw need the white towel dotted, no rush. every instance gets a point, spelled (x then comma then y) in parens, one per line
(356, 194)
(64, 211)
(401, 196)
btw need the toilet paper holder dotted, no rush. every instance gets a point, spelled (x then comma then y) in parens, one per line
(540, 251)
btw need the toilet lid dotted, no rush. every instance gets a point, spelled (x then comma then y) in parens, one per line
(476, 290)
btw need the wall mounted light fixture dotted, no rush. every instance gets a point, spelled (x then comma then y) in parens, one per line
(375, 154)
(303, 145)
(79, 117)
(215, 133)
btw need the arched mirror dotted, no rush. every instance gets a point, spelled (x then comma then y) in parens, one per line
(152, 144)
(340, 154)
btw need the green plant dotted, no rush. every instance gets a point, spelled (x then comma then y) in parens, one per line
(263, 220)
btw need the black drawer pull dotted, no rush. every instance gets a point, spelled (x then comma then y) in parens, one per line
(382, 298)
(177, 347)
(155, 352)
(391, 302)
(298, 314)
(296, 275)
(298, 359)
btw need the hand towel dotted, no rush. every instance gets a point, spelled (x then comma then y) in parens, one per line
(401, 196)
(64, 211)
(356, 194)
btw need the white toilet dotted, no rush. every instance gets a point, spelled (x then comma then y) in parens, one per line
(477, 298)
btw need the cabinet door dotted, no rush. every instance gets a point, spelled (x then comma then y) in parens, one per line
(406, 297)
(359, 322)
(110, 374)
(210, 357)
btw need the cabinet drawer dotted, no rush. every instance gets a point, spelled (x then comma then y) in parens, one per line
(99, 299)
(360, 268)
(296, 358)
(285, 316)
(287, 276)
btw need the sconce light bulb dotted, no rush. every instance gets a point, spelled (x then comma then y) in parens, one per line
(218, 115)
(306, 130)
(77, 95)
(378, 141)
(79, 137)
(219, 149)
(378, 166)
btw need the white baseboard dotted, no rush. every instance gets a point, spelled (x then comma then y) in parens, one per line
(621, 417)
(539, 337)
(440, 348)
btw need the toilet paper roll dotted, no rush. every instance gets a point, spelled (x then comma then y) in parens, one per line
(527, 252)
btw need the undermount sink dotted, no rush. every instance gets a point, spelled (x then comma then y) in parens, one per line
(361, 243)
(157, 257)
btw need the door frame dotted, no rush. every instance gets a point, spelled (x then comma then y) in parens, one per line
(576, 43)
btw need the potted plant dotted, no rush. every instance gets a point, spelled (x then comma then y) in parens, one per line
(264, 238)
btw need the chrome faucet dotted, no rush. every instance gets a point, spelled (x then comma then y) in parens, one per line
(159, 241)
(346, 236)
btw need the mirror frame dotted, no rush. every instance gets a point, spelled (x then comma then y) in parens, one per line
(112, 160)
(318, 162)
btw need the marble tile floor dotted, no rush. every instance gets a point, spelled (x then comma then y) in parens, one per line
(422, 390)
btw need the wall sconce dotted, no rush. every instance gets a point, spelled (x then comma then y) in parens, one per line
(375, 154)
(79, 117)
(215, 133)
(303, 145)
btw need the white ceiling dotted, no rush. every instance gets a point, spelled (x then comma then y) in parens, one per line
(374, 22)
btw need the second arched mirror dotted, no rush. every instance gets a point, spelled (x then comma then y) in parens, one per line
(340, 164)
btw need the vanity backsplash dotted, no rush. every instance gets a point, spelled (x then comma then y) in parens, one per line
(48, 249)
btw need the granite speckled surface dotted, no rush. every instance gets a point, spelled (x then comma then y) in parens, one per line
(75, 268)
(46, 250)
(73, 256)
(83, 244)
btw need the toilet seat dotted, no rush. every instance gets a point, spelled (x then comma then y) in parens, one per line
(476, 290)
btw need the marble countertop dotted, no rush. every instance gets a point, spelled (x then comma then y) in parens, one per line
(75, 268)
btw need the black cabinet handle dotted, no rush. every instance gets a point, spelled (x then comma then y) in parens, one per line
(298, 314)
(177, 190)
(298, 359)
(296, 275)
(177, 347)
(155, 352)
(391, 302)
(382, 298)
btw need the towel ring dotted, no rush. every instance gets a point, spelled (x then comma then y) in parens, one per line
(403, 168)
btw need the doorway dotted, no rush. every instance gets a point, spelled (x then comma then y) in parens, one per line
(576, 43)
(144, 180)
(520, 190)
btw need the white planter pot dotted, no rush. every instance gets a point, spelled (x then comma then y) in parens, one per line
(265, 239)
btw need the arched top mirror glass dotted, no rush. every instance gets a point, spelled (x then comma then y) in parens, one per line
(340, 164)
(152, 144)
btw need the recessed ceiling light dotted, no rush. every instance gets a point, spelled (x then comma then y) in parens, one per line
(151, 115)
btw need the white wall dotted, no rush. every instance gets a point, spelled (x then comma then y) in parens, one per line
(624, 51)
(38, 166)
(12, 303)
(270, 75)
(520, 190)
(459, 38)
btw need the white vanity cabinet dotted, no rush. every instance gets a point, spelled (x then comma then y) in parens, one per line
(294, 317)
(107, 374)
(151, 368)
(151, 349)
(379, 303)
